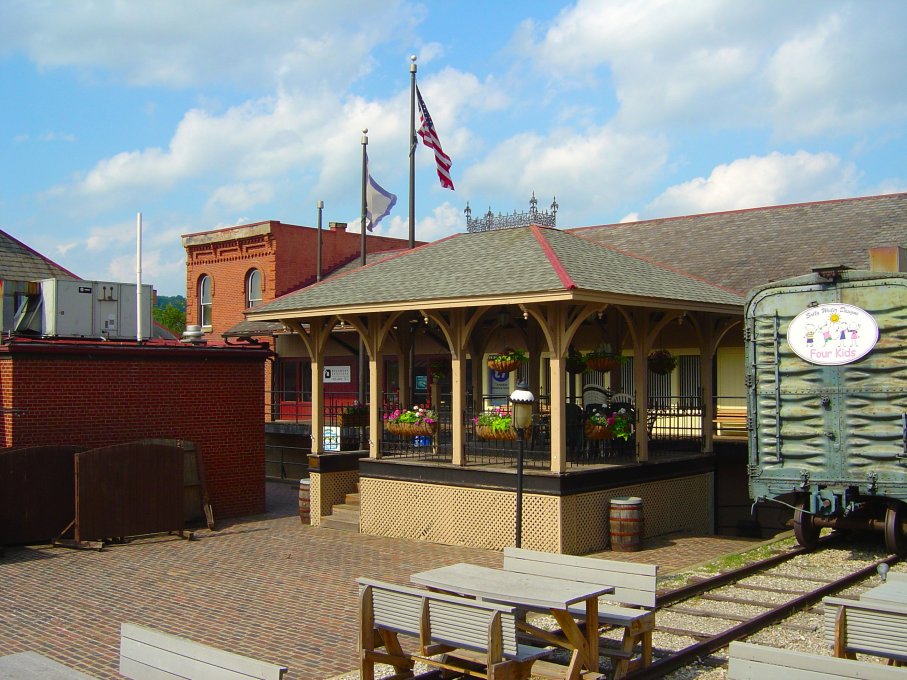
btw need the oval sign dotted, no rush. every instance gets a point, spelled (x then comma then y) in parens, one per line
(832, 334)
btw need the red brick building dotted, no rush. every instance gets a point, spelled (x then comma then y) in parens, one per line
(97, 394)
(230, 270)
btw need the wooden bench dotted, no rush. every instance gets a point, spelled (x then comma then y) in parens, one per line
(756, 662)
(634, 594)
(866, 626)
(460, 630)
(731, 422)
(148, 654)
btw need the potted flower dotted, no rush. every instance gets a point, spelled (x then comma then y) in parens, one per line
(603, 359)
(576, 362)
(437, 370)
(496, 424)
(413, 422)
(615, 425)
(662, 362)
(508, 360)
(353, 415)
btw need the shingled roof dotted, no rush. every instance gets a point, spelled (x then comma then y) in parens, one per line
(525, 263)
(18, 262)
(741, 249)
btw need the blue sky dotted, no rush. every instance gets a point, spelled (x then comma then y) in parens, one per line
(202, 114)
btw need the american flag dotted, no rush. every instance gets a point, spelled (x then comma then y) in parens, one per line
(430, 139)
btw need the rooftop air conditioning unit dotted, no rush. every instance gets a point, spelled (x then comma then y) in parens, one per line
(94, 309)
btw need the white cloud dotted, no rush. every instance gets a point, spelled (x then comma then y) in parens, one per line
(234, 197)
(588, 173)
(757, 181)
(803, 67)
(179, 44)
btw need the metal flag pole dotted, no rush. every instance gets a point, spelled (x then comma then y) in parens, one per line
(361, 390)
(412, 152)
(138, 277)
(364, 198)
(320, 206)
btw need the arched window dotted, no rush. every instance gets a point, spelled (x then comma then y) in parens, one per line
(204, 300)
(253, 288)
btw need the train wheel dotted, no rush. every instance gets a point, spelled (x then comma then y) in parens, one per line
(806, 532)
(895, 541)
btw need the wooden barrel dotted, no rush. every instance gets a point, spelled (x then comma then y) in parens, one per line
(304, 496)
(625, 523)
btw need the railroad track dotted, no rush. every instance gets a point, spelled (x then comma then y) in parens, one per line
(727, 588)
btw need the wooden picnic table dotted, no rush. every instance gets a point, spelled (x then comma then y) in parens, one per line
(894, 589)
(537, 593)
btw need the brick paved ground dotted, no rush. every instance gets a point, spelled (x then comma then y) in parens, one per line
(265, 586)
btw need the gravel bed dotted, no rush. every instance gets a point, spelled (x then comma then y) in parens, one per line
(801, 632)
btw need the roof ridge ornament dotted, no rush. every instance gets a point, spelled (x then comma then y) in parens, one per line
(489, 221)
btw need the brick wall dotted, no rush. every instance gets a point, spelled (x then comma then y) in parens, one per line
(100, 394)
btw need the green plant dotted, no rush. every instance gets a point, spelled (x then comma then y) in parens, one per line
(355, 409)
(603, 351)
(416, 414)
(576, 361)
(437, 370)
(662, 361)
(620, 422)
(509, 354)
(497, 419)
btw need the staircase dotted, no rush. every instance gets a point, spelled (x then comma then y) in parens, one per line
(344, 516)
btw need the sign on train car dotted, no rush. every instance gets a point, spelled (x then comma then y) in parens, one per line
(827, 399)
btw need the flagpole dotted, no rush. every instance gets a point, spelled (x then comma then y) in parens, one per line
(320, 206)
(412, 152)
(364, 199)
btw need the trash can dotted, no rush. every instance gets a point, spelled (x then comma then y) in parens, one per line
(304, 496)
(625, 523)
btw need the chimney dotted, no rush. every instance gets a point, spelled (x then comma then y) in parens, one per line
(337, 226)
(888, 259)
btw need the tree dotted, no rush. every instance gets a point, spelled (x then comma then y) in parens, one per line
(171, 318)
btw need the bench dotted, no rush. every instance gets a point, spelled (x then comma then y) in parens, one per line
(460, 630)
(755, 662)
(634, 594)
(148, 654)
(866, 626)
(731, 422)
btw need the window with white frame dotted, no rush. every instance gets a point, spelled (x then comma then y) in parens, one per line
(204, 301)
(253, 288)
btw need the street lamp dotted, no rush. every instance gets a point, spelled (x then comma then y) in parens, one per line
(521, 400)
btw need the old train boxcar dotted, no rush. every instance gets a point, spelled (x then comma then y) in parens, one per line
(826, 371)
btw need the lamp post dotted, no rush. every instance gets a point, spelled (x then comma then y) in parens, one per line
(521, 399)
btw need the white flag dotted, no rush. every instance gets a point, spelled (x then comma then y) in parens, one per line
(378, 201)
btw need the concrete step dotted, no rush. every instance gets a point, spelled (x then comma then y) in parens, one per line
(347, 513)
(331, 522)
(352, 499)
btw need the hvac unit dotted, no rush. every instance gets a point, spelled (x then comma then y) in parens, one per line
(94, 309)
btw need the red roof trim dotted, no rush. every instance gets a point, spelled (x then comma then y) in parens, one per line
(35, 252)
(562, 274)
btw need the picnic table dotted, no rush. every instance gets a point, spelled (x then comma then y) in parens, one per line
(894, 589)
(538, 593)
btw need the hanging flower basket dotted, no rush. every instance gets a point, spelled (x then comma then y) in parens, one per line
(502, 365)
(353, 420)
(412, 429)
(487, 433)
(662, 362)
(508, 360)
(603, 364)
(576, 362)
(598, 432)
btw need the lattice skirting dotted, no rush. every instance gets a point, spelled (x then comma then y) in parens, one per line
(485, 518)
(328, 490)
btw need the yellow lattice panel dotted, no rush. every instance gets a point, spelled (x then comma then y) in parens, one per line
(585, 516)
(457, 515)
(328, 490)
